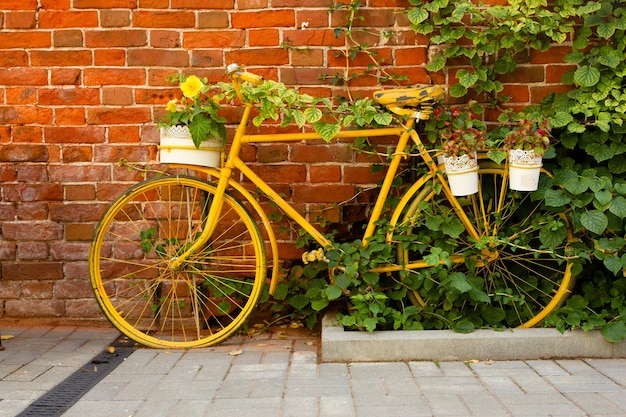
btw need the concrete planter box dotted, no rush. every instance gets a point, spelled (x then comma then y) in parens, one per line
(339, 345)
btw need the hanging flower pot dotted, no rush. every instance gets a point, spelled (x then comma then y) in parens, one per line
(177, 147)
(462, 174)
(524, 169)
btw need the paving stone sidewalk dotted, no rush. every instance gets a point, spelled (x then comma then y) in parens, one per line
(279, 375)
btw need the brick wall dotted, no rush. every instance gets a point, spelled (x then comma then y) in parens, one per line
(82, 83)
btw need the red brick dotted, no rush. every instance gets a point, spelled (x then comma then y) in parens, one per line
(553, 55)
(20, 20)
(307, 57)
(320, 153)
(410, 56)
(67, 38)
(516, 93)
(77, 153)
(275, 152)
(32, 231)
(150, 58)
(54, 4)
(165, 19)
(110, 57)
(79, 173)
(124, 134)
(538, 93)
(264, 37)
(10, 290)
(70, 116)
(78, 192)
(32, 211)
(26, 39)
(116, 38)
(83, 134)
(7, 253)
(32, 251)
(117, 96)
(69, 251)
(104, 4)
(13, 59)
(383, 55)
(23, 153)
(76, 212)
(554, 73)
(33, 192)
(298, 3)
(114, 18)
(365, 18)
(312, 37)
(213, 20)
(251, 4)
(87, 309)
(276, 56)
(37, 290)
(361, 175)
(219, 39)
(34, 308)
(19, 5)
(114, 76)
(24, 76)
(60, 58)
(207, 58)
(203, 4)
(304, 76)
(69, 96)
(32, 173)
(312, 18)
(66, 76)
(21, 95)
(269, 18)
(79, 231)
(115, 153)
(67, 19)
(165, 39)
(325, 173)
(524, 74)
(105, 116)
(73, 289)
(333, 193)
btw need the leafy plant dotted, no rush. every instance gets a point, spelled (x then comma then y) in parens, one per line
(197, 109)
(459, 130)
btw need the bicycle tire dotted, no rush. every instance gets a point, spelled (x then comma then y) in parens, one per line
(514, 275)
(203, 302)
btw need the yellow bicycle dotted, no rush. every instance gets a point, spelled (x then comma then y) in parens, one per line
(180, 261)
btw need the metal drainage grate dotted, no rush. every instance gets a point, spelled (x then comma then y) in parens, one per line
(60, 398)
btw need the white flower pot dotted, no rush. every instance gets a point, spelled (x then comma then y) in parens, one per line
(462, 174)
(177, 147)
(524, 170)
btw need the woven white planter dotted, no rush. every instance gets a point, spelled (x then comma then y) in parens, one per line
(462, 174)
(524, 170)
(177, 148)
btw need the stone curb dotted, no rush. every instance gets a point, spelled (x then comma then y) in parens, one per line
(339, 345)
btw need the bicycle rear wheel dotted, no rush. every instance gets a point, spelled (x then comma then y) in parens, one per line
(514, 274)
(202, 302)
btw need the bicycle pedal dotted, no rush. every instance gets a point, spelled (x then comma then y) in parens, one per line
(312, 256)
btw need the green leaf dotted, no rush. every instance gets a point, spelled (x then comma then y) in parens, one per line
(313, 114)
(370, 323)
(587, 76)
(618, 207)
(280, 293)
(383, 119)
(333, 292)
(370, 278)
(459, 282)
(298, 301)
(614, 332)
(555, 198)
(561, 119)
(457, 90)
(438, 63)
(610, 60)
(417, 16)
(319, 305)
(595, 221)
(552, 237)
(299, 117)
(605, 30)
(327, 130)
(464, 326)
(466, 78)
(613, 264)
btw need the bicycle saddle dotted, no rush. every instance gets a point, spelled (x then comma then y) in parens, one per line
(405, 101)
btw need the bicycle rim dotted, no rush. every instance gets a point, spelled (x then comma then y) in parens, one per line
(201, 303)
(513, 275)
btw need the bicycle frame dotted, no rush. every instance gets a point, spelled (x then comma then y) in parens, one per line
(234, 162)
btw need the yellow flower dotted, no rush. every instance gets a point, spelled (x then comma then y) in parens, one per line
(171, 105)
(191, 86)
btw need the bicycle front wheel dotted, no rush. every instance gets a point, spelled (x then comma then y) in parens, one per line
(513, 274)
(202, 302)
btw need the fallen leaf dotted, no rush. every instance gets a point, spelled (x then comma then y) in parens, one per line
(7, 336)
(235, 352)
(111, 349)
